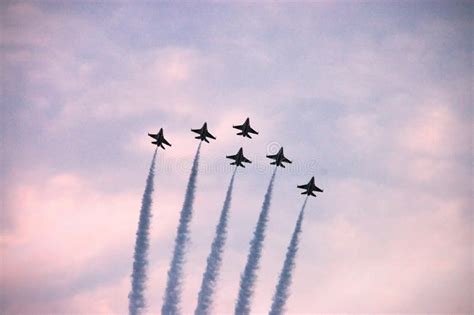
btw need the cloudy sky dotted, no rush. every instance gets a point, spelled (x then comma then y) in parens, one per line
(373, 99)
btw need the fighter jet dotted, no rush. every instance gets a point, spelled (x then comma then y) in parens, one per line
(159, 139)
(310, 188)
(203, 133)
(279, 158)
(245, 129)
(238, 159)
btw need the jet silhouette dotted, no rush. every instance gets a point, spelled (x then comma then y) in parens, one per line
(245, 129)
(203, 133)
(309, 188)
(279, 158)
(159, 139)
(239, 158)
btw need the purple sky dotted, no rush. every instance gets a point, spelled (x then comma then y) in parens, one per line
(373, 99)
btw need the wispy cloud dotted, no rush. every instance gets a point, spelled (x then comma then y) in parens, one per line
(374, 99)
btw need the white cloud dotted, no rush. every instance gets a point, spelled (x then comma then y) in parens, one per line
(372, 107)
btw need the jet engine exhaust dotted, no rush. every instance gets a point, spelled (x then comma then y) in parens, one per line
(172, 296)
(249, 276)
(214, 260)
(282, 289)
(136, 296)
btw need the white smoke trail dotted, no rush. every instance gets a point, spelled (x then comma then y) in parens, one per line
(172, 296)
(136, 296)
(282, 289)
(214, 260)
(249, 276)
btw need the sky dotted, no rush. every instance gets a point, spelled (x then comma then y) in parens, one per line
(374, 99)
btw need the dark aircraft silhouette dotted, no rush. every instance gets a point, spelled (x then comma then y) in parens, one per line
(239, 158)
(203, 133)
(245, 129)
(279, 158)
(309, 188)
(159, 139)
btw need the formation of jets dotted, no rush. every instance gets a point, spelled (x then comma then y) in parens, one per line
(238, 159)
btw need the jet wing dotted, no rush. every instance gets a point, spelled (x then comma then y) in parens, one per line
(240, 127)
(284, 159)
(233, 157)
(303, 186)
(274, 156)
(244, 159)
(196, 130)
(250, 130)
(208, 134)
(153, 136)
(166, 142)
(318, 189)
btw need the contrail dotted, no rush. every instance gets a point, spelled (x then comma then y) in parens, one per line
(172, 296)
(214, 260)
(248, 277)
(282, 289)
(136, 296)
